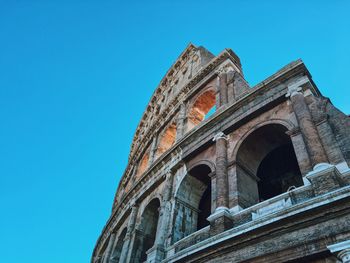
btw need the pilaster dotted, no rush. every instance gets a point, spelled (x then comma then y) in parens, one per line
(220, 220)
(331, 146)
(221, 170)
(125, 255)
(221, 89)
(313, 144)
(157, 252)
(300, 150)
(153, 150)
(181, 122)
(231, 96)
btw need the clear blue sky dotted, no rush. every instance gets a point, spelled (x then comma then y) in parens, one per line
(76, 77)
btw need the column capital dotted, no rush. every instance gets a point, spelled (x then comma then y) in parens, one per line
(294, 90)
(220, 71)
(220, 135)
(341, 250)
(344, 255)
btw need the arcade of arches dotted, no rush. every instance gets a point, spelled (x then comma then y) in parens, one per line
(266, 167)
(202, 108)
(216, 188)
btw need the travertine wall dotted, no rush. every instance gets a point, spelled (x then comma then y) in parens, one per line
(178, 157)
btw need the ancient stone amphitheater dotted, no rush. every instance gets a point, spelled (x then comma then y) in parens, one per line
(223, 172)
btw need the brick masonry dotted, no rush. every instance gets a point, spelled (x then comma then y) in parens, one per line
(199, 198)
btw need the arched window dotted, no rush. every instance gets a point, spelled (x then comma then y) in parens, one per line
(166, 140)
(203, 105)
(266, 165)
(193, 202)
(147, 230)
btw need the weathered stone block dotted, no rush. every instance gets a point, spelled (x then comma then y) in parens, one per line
(325, 178)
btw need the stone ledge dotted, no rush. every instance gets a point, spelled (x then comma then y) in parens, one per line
(339, 246)
(313, 203)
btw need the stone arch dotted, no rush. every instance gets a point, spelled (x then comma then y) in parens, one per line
(200, 106)
(167, 139)
(208, 163)
(266, 164)
(117, 249)
(287, 124)
(193, 201)
(147, 230)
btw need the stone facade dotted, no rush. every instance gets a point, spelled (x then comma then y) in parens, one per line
(223, 172)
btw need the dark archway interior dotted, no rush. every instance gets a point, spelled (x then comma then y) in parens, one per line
(201, 173)
(277, 172)
(266, 165)
(118, 248)
(204, 208)
(149, 227)
(193, 202)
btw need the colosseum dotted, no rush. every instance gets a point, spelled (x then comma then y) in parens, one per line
(220, 171)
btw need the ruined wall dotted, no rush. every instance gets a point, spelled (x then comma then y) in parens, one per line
(184, 164)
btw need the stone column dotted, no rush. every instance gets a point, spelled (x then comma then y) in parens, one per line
(109, 248)
(231, 96)
(221, 170)
(300, 150)
(157, 252)
(220, 220)
(341, 250)
(217, 93)
(313, 144)
(181, 121)
(165, 210)
(124, 255)
(223, 88)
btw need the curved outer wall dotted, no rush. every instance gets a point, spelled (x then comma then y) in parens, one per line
(207, 149)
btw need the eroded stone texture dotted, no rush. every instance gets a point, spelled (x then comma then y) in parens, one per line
(264, 178)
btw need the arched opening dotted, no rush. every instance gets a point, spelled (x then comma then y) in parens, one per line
(103, 254)
(202, 108)
(266, 165)
(167, 140)
(147, 230)
(277, 172)
(117, 250)
(142, 165)
(193, 202)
